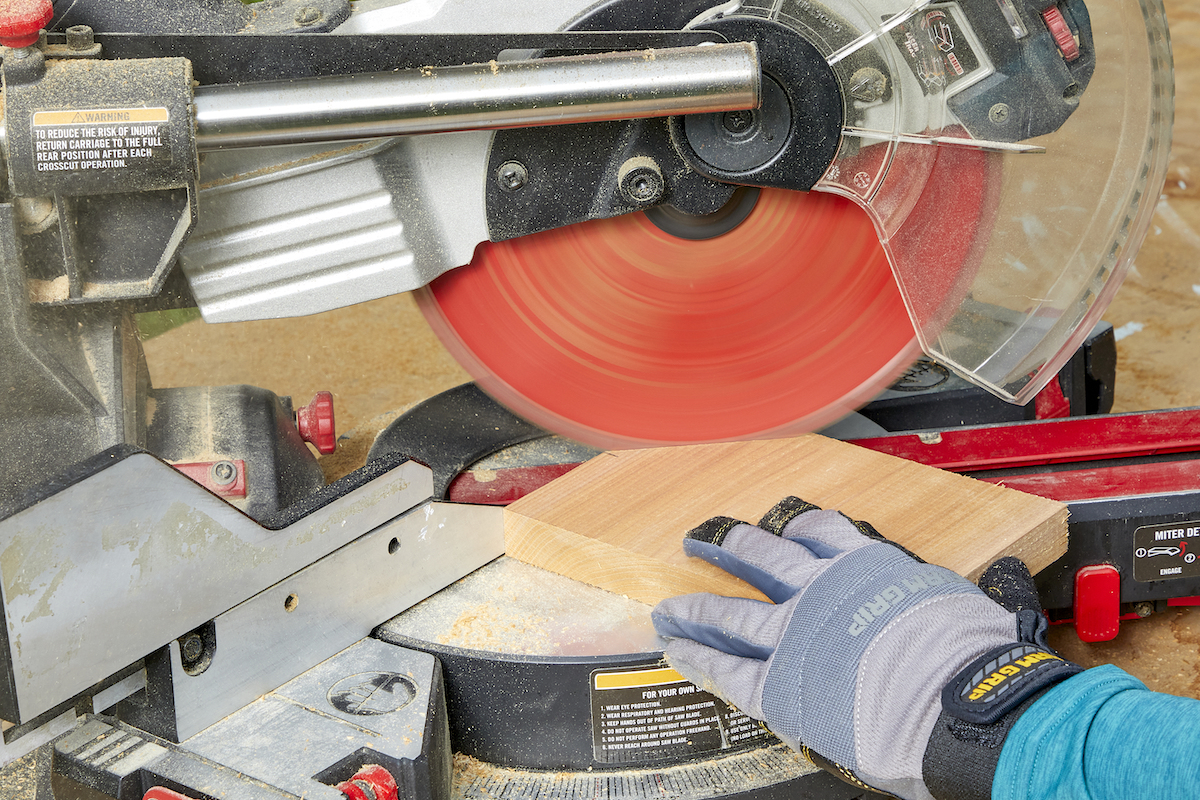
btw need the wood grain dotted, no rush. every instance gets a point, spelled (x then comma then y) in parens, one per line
(617, 522)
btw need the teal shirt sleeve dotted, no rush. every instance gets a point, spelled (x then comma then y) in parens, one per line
(1102, 735)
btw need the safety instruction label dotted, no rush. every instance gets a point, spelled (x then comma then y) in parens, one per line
(83, 140)
(650, 713)
(1166, 551)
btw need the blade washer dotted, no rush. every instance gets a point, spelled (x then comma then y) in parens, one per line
(790, 141)
(697, 227)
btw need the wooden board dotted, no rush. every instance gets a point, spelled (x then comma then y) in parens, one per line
(617, 522)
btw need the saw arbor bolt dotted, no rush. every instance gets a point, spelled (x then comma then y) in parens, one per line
(641, 181)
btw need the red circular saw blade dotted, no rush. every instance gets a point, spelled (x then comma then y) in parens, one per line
(617, 334)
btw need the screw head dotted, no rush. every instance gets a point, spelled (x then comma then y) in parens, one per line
(999, 113)
(223, 473)
(512, 176)
(191, 647)
(641, 181)
(737, 122)
(642, 186)
(867, 84)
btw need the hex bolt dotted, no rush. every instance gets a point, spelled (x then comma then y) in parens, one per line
(307, 15)
(512, 176)
(999, 113)
(191, 647)
(80, 37)
(641, 181)
(223, 473)
(867, 84)
(1143, 609)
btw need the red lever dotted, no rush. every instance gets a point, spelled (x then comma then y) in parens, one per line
(1097, 602)
(22, 20)
(372, 782)
(163, 793)
(315, 422)
(1061, 33)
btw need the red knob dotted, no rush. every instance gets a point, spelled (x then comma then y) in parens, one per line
(162, 793)
(1061, 33)
(22, 20)
(372, 782)
(315, 422)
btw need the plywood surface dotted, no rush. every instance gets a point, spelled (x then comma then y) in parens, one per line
(618, 521)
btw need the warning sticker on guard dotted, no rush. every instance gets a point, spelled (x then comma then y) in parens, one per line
(645, 714)
(1166, 551)
(100, 139)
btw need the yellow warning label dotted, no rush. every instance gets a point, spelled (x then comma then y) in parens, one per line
(643, 677)
(100, 116)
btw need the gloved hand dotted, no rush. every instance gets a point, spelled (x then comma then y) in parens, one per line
(899, 676)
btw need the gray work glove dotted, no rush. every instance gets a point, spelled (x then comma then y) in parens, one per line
(897, 675)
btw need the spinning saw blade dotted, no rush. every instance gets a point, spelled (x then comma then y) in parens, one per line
(617, 332)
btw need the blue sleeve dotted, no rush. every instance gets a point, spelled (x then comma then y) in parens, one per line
(1102, 735)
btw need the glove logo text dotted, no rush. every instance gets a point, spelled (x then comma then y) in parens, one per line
(1010, 670)
(893, 595)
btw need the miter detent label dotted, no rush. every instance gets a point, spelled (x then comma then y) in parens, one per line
(87, 140)
(651, 713)
(1166, 551)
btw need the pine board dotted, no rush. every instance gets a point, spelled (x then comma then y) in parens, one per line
(617, 522)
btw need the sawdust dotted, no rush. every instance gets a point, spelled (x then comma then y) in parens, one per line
(721, 775)
(1187, 634)
(514, 608)
(1162, 651)
(488, 627)
(53, 291)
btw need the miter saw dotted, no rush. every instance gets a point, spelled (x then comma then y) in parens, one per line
(634, 222)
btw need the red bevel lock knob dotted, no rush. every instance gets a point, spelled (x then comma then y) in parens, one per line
(22, 20)
(315, 422)
(1061, 32)
(372, 782)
